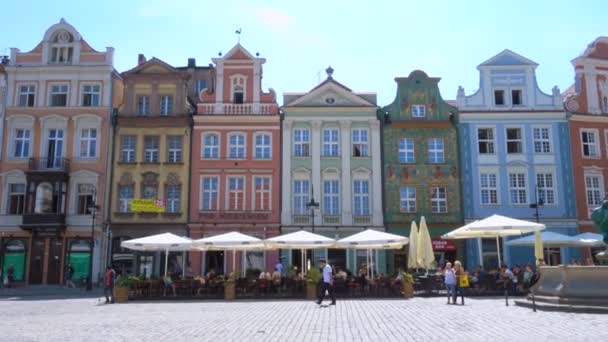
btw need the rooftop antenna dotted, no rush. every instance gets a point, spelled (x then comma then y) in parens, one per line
(238, 32)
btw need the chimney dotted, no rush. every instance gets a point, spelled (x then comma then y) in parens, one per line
(141, 59)
(191, 62)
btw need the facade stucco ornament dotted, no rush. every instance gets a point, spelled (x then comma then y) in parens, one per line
(126, 179)
(149, 178)
(345, 124)
(316, 124)
(173, 179)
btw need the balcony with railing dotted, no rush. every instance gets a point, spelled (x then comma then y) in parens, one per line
(46, 219)
(238, 109)
(362, 219)
(331, 219)
(56, 164)
(300, 219)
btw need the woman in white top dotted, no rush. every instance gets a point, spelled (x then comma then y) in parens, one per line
(449, 279)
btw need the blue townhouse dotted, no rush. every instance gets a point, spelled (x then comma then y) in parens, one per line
(516, 158)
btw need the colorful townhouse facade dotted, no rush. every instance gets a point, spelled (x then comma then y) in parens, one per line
(3, 99)
(235, 170)
(587, 105)
(53, 172)
(421, 167)
(151, 161)
(516, 156)
(331, 183)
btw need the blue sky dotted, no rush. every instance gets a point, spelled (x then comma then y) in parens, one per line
(368, 43)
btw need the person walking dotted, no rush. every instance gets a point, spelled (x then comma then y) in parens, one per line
(109, 285)
(326, 283)
(69, 274)
(458, 272)
(449, 279)
(10, 275)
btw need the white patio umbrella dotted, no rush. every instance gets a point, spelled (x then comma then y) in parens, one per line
(233, 241)
(549, 239)
(412, 257)
(495, 226)
(424, 250)
(166, 242)
(591, 239)
(371, 239)
(302, 240)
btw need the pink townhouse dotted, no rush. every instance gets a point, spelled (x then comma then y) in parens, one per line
(235, 175)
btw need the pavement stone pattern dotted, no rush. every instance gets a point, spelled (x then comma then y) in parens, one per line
(418, 319)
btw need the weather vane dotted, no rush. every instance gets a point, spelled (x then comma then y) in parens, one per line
(238, 32)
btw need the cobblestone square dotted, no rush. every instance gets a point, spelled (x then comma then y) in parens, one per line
(419, 319)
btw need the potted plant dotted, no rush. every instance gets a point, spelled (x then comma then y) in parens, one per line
(122, 287)
(408, 285)
(312, 281)
(230, 287)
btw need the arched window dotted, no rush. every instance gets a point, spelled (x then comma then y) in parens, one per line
(238, 84)
(44, 198)
(62, 47)
(238, 94)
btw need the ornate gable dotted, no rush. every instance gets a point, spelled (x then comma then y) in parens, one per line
(508, 58)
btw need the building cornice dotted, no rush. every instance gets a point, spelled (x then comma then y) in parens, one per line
(589, 118)
(527, 116)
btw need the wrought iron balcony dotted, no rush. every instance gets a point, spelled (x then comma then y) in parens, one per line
(300, 219)
(49, 164)
(331, 219)
(362, 219)
(45, 219)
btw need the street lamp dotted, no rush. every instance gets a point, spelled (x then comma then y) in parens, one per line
(312, 205)
(93, 207)
(539, 203)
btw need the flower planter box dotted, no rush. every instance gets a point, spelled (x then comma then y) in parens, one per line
(311, 290)
(408, 290)
(229, 291)
(121, 294)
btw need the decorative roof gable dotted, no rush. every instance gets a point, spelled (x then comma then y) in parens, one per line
(508, 58)
(152, 66)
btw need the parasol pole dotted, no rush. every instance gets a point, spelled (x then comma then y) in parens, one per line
(498, 250)
(166, 261)
(233, 260)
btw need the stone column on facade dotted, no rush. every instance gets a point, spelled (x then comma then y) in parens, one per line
(154, 99)
(591, 87)
(257, 80)
(376, 199)
(316, 164)
(219, 89)
(73, 100)
(345, 153)
(286, 173)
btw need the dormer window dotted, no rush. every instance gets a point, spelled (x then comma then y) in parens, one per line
(418, 111)
(238, 95)
(238, 87)
(62, 48)
(516, 97)
(499, 97)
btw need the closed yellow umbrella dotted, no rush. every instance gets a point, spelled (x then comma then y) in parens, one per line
(412, 257)
(538, 246)
(424, 250)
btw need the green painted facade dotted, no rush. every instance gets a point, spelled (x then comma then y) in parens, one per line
(438, 122)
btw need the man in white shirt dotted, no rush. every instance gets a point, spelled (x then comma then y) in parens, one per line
(326, 283)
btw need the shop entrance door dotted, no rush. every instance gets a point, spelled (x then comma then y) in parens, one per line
(37, 261)
(54, 261)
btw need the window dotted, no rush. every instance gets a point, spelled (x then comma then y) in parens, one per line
(331, 197)
(90, 95)
(151, 149)
(499, 97)
(406, 150)
(143, 105)
(439, 200)
(239, 95)
(605, 104)
(489, 188)
(16, 199)
(85, 199)
(59, 95)
(88, 143)
(22, 143)
(262, 193)
(149, 190)
(418, 111)
(262, 146)
(360, 143)
(210, 192)
(517, 188)
(125, 195)
(236, 193)
(590, 148)
(127, 149)
(236, 146)
(174, 146)
(593, 187)
(300, 196)
(330, 142)
(436, 152)
(485, 140)
(199, 86)
(211, 146)
(407, 199)
(516, 97)
(301, 142)
(61, 48)
(173, 203)
(514, 144)
(542, 141)
(166, 105)
(27, 95)
(546, 192)
(361, 198)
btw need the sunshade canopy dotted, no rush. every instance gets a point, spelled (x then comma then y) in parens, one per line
(373, 239)
(300, 240)
(158, 242)
(591, 239)
(549, 239)
(229, 241)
